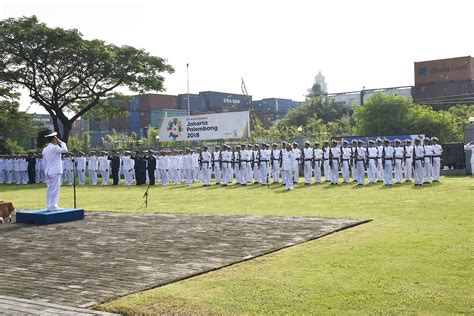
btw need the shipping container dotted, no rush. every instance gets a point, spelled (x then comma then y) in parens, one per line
(444, 70)
(157, 116)
(97, 137)
(94, 124)
(196, 102)
(144, 118)
(134, 120)
(444, 94)
(119, 123)
(158, 101)
(221, 101)
(134, 104)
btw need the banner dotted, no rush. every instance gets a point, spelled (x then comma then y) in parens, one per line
(205, 127)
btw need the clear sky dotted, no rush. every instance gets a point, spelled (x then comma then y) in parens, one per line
(276, 46)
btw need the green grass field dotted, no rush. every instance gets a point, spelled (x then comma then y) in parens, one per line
(416, 256)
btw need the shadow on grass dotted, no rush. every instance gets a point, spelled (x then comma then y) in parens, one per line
(19, 187)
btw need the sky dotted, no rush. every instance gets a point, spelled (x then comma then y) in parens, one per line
(276, 46)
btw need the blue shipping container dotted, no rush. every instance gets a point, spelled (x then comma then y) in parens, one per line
(196, 102)
(134, 104)
(221, 100)
(134, 120)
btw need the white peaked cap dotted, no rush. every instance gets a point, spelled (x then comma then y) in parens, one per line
(51, 135)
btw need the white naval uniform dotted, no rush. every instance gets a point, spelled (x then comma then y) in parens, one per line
(388, 168)
(38, 167)
(17, 171)
(236, 158)
(9, 171)
(283, 174)
(318, 158)
(2, 171)
(196, 171)
(128, 165)
(81, 169)
(53, 170)
(206, 167)
(275, 164)
(24, 171)
(398, 171)
(256, 167)
(92, 166)
(308, 164)
(288, 159)
(104, 167)
(188, 168)
(264, 155)
(162, 165)
(326, 164)
(408, 165)
(437, 151)
(296, 166)
(380, 168)
(354, 162)
(336, 155)
(418, 155)
(69, 169)
(372, 161)
(360, 162)
(345, 163)
(226, 157)
(427, 171)
(244, 166)
(217, 167)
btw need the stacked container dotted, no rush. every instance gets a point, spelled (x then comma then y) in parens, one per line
(197, 103)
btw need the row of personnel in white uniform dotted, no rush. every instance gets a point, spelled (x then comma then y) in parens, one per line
(14, 169)
(380, 161)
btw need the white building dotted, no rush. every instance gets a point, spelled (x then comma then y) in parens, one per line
(321, 80)
(354, 97)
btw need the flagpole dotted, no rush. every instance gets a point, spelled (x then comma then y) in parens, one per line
(187, 80)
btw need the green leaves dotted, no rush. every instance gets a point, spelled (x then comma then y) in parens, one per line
(392, 115)
(66, 73)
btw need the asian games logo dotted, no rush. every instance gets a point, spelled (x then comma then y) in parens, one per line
(175, 127)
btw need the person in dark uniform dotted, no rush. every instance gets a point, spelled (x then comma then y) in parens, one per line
(151, 167)
(115, 166)
(140, 168)
(31, 168)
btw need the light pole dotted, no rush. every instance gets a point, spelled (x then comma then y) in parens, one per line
(187, 81)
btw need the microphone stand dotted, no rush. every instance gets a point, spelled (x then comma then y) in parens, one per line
(145, 196)
(74, 177)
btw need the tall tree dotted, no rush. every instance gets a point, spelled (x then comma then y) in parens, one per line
(68, 75)
(383, 115)
(15, 127)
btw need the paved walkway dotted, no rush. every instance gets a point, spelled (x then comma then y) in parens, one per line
(108, 255)
(13, 306)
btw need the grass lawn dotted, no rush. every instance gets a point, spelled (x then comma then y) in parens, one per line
(416, 256)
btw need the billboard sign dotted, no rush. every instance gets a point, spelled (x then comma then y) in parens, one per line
(205, 127)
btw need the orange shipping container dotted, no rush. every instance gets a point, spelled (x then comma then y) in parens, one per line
(444, 70)
(158, 101)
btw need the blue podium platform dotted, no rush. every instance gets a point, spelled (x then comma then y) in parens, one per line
(44, 217)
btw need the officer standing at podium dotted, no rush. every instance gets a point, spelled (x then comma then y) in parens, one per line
(53, 167)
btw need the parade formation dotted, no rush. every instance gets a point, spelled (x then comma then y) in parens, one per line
(378, 161)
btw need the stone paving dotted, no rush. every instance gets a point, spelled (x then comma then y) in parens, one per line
(13, 306)
(108, 254)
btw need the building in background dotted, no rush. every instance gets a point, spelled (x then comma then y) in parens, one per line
(443, 83)
(321, 80)
(354, 98)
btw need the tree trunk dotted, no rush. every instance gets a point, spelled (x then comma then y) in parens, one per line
(67, 129)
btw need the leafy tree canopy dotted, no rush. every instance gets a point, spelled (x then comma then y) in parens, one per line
(69, 75)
